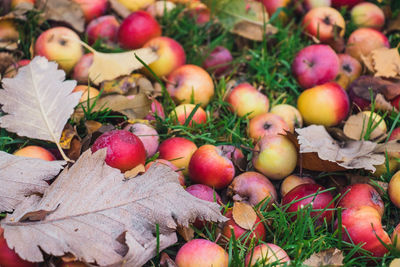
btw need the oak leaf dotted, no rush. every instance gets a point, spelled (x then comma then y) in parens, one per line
(21, 177)
(95, 214)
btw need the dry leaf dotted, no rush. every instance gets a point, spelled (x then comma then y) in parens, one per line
(38, 101)
(395, 263)
(139, 169)
(166, 261)
(92, 212)
(19, 11)
(330, 257)
(65, 11)
(186, 232)
(21, 177)
(350, 154)
(244, 215)
(92, 126)
(388, 88)
(119, 8)
(75, 149)
(382, 104)
(394, 25)
(368, 62)
(6, 60)
(132, 84)
(356, 127)
(67, 135)
(386, 62)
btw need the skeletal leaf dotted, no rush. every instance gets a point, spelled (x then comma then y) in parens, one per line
(92, 212)
(38, 101)
(21, 177)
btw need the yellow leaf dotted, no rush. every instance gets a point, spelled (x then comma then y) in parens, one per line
(139, 169)
(244, 215)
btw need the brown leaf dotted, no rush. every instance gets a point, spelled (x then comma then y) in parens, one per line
(386, 62)
(393, 25)
(5, 6)
(131, 84)
(19, 11)
(368, 62)
(98, 216)
(166, 261)
(65, 11)
(21, 177)
(388, 88)
(67, 135)
(92, 126)
(75, 149)
(395, 263)
(382, 104)
(347, 154)
(132, 173)
(186, 232)
(356, 127)
(119, 8)
(330, 257)
(6, 60)
(244, 215)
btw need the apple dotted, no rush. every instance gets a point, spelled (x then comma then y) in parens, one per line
(88, 92)
(324, 23)
(8, 257)
(178, 150)
(235, 155)
(56, 45)
(190, 84)
(92, 8)
(14, 3)
(244, 99)
(81, 69)
(8, 32)
(327, 104)
(382, 169)
(266, 254)
(35, 152)
(293, 181)
(252, 188)
(158, 8)
(208, 166)
(396, 102)
(306, 5)
(361, 195)
(310, 194)
(218, 61)
(104, 28)
(170, 55)
(395, 237)
(272, 6)
(345, 3)
(182, 112)
(156, 109)
(275, 156)
(289, 114)
(136, 4)
(361, 225)
(266, 124)
(394, 189)
(201, 253)
(171, 165)
(350, 69)
(363, 41)
(12, 70)
(242, 235)
(359, 102)
(137, 29)
(368, 15)
(125, 151)
(395, 135)
(147, 134)
(315, 65)
(200, 12)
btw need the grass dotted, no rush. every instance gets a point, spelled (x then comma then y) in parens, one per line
(267, 65)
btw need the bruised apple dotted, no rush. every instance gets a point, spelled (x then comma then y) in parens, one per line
(396, 237)
(395, 135)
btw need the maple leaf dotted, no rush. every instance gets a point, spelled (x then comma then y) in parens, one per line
(92, 212)
(38, 101)
(21, 177)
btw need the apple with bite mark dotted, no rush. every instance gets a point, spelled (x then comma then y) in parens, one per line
(170, 55)
(182, 112)
(266, 254)
(92, 9)
(190, 84)
(104, 28)
(368, 15)
(292, 181)
(218, 61)
(178, 150)
(169, 164)
(56, 45)
(35, 152)
(275, 156)
(147, 134)
(125, 151)
(350, 69)
(81, 69)
(289, 114)
(315, 65)
(266, 124)
(327, 104)
(247, 100)
(208, 166)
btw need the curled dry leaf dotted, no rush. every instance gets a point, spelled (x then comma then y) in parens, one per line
(347, 154)
(356, 127)
(131, 84)
(38, 101)
(92, 126)
(67, 135)
(139, 169)
(166, 261)
(388, 88)
(330, 257)
(21, 177)
(6, 60)
(114, 229)
(186, 232)
(244, 215)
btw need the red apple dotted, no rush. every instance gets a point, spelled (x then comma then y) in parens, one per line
(200, 12)
(324, 23)
(14, 3)
(104, 28)
(156, 109)
(326, 104)
(54, 45)
(266, 124)
(190, 84)
(218, 61)
(137, 29)
(252, 188)
(350, 69)
(8, 257)
(171, 165)
(170, 55)
(208, 166)
(395, 135)
(293, 181)
(266, 254)
(345, 3)
(201, 253)
(247, 100)
(318, 201)
(92, 8)
(363, 41)
(315, 65)
(182, 112)
(178, 150)
(147, 134)
(124, 149)
(273, 5)
(396, 237)
(361, 195)
(35, 152)
(81, 69)
(368, 15)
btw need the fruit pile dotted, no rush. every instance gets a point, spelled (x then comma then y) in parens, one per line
(255, 169)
